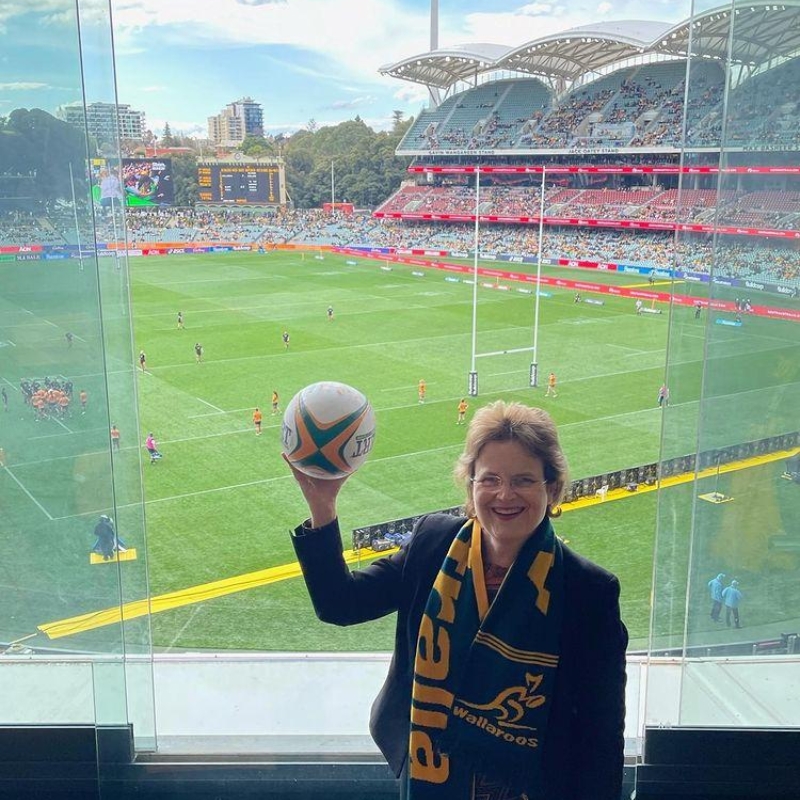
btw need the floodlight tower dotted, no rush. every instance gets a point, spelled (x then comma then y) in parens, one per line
(433, 92)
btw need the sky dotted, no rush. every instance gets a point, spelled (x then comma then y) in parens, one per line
(181, 61)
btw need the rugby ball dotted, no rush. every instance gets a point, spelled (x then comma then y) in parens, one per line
(328, 430)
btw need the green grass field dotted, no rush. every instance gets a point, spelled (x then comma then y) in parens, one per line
(221, 502)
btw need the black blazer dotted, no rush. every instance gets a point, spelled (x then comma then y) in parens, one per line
(583, 749)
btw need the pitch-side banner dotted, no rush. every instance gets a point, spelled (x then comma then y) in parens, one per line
(627, 224)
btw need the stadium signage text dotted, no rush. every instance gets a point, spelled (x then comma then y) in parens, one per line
(607, 170)
(682, 300)
(645, 225)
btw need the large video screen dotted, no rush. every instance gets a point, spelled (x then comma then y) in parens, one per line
(148, 181)
(238, 183)
(136, 181)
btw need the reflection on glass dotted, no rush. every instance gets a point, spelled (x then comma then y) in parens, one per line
(726, 571)
(66, 362)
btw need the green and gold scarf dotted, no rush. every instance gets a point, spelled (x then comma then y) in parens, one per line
(484, 676)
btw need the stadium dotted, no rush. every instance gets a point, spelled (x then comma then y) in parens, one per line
(592, 204)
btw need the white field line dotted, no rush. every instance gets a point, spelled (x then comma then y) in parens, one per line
(33, 499)
(195, 609)
(248, 484)
(288, 476)
(217, 413)
(48, 436)
(65, 427)
(210, 405)
(633, 350)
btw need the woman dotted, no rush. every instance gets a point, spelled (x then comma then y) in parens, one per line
(508, 674)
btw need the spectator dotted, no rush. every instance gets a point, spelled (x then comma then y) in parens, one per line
(715, 586)
(732, 597)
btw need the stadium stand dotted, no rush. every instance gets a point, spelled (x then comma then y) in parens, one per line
(488, 117)
(579, 93)
(735, 256)
(640, 106)
(778, 210)
(763, 110)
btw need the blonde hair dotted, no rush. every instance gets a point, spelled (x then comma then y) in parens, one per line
(533, 428)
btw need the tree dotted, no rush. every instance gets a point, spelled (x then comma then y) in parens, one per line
(36, 145)
(366, 169)
(167, 139)
(257, 147)
(184, 178)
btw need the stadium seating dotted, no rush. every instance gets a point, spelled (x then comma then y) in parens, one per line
(640, 106)
(636, 106)
(706, 85)
(779, 210)
(487, 117)
(768, 260)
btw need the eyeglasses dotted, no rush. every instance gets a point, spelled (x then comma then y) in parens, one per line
(519, 483)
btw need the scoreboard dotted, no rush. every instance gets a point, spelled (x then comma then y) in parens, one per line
(239, 183)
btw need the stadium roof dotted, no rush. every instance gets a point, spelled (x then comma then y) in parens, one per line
(444, 67)
(763, 30)
(588, 48)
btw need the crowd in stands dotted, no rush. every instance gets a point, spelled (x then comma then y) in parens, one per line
(21, 227)
(777, 210)
(767, 259)
(634, 107)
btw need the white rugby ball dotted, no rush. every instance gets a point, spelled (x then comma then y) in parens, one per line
(328, 430)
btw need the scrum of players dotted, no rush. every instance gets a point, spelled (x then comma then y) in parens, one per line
(50, 398)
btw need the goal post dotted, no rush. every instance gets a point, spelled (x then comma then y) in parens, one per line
(533, 375)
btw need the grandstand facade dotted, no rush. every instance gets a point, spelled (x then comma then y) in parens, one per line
(666, 157)
(610, 128)
(615, 88)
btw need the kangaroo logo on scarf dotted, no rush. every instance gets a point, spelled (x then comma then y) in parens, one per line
(479, 686)
(508, 708)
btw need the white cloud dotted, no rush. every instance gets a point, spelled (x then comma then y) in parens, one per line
(333, 47)
(178, 127)
(521, 25)
(23, 86)
(94, 12)
(536, 9)
(357, 35)
(283, 127)
(354, 103)
(376, 123)
(412, 94)
(16, 8)
(515, 26)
